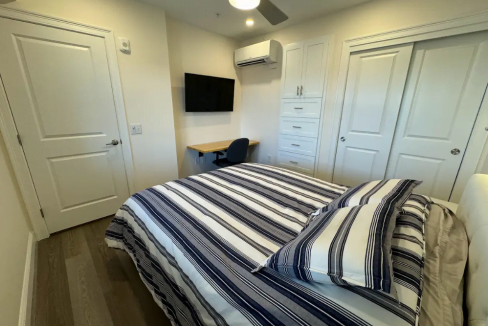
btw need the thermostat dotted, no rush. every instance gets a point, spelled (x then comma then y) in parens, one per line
(124, 45)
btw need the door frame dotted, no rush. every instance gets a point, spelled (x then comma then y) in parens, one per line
(9, 129)
(459, 26)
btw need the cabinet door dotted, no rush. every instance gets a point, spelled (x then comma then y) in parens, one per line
(374, 90)
(314, 67)
(292, 70)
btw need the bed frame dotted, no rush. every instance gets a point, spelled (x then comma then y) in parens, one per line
(473, 212)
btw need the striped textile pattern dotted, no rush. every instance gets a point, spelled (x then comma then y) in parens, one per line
(375, 192)
(195, 242)
(408, 254)
(349, 243)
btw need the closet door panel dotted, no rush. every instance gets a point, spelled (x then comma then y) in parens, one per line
(314, 67)
(445, 88)
(374, 89)
(292, 70)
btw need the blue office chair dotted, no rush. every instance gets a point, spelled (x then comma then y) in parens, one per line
(236, 153)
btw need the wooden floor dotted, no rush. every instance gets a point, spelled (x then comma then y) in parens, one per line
(80, 281)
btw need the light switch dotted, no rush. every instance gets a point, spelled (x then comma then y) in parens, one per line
(136, 129)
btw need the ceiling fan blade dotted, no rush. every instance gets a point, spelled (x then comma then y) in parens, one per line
(272, 13)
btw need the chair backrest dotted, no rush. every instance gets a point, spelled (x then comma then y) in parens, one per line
(237, 151)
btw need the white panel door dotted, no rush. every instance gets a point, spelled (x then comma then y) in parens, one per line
(444, 91)
(292, 70)
(59, 89)
(314, 67)
(375, 85)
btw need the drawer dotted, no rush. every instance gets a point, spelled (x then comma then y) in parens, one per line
(309, 108)
(299, 127)
(296, 162)
(296, 144)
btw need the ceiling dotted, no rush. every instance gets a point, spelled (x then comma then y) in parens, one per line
(231, 21)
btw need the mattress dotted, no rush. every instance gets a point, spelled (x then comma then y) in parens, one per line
(195, 242)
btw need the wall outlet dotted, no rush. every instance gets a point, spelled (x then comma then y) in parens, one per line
(136, 129)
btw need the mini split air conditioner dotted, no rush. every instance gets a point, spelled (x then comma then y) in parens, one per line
(258, 54)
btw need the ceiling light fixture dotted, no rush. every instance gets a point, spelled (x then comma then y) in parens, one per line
(245, 4)
(249, 22)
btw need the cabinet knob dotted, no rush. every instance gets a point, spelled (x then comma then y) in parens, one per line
(343, 139)
(455, 151)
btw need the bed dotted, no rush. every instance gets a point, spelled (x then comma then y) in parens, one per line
(196, 241)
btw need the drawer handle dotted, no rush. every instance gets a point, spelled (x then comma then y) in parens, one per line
(293, 162)
(298, 127)
(298, 108)
(295, 145)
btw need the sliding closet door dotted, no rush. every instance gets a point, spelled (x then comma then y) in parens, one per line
(444, 91)
(375, 85)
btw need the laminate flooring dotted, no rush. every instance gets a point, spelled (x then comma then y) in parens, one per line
(81, 281)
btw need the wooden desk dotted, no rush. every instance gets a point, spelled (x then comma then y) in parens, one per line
(216, 146)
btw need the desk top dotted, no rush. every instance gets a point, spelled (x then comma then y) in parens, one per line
(216, 146)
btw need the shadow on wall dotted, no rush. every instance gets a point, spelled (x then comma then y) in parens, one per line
(197, 128)
(260, 120)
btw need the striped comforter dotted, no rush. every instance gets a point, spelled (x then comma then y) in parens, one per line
(195, 242)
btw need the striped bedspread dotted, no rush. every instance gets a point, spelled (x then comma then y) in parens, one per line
(195, 242)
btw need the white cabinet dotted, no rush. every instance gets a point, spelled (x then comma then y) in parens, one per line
(296, 162)
(299, 127)
(292, 70)
(296, 144)
(302, 85)
(304, 67)
(314, 68)
(306, 108)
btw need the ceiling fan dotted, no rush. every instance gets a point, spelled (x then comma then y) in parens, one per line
(272, 13)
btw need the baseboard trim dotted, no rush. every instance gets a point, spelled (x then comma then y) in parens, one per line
(28, 285)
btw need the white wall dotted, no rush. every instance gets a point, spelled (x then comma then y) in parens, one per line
(194, 50)
(261, 88)
(14, 232)
(144, 73)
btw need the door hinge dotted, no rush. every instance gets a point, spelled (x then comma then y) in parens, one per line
(19, 139)
(42, 213)
(121, 142)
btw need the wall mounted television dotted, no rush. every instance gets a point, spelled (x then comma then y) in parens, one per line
(208, 94)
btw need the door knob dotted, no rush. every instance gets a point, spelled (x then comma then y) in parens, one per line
(343, 139)
(114, 142)
(455, 151)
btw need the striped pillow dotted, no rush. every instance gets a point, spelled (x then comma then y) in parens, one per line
(408, 247)
(375, 192)
(343, 246)
(349, 242)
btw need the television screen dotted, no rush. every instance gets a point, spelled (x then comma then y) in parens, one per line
(208, 94)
